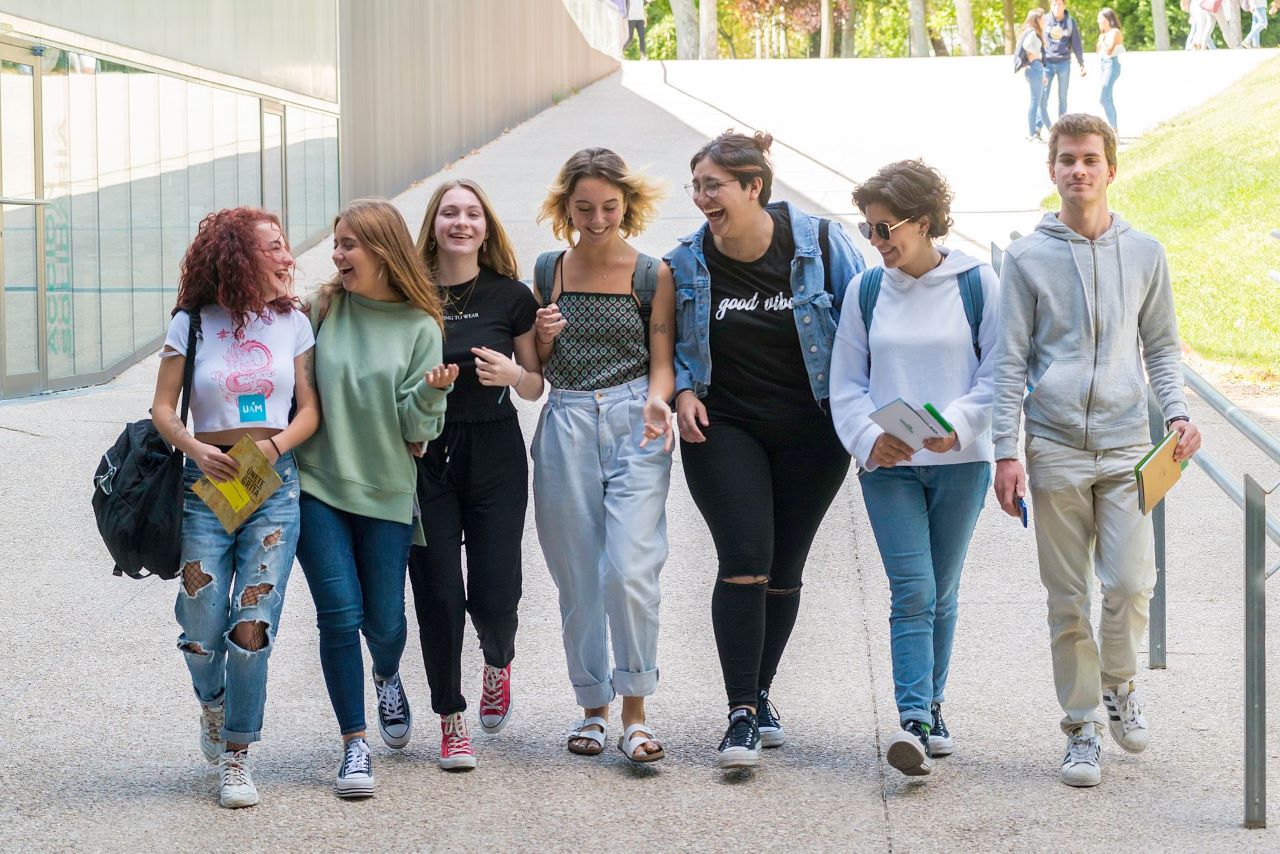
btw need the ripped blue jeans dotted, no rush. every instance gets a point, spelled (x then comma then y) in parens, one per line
(233, 579)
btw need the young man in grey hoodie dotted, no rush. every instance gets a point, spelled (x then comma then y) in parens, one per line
(1085, 303)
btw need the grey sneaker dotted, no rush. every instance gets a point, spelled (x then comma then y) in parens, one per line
(236, 788)
(355, 774)
(1127, 723)
(211, 744)
(1082, 764)
(395, 722)
(908, 750)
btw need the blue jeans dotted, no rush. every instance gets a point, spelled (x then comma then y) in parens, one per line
(1259, 24)
(600, 501)
(355, 566)
(229, 579)
(923, 517)
(1062, 71)
(1037, 114)
(1110, 73)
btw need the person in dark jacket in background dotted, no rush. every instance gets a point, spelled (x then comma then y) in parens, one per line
(1062, 39)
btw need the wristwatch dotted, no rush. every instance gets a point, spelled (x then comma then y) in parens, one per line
(1169, 423)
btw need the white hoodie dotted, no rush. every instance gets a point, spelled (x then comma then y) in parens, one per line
(921, 351)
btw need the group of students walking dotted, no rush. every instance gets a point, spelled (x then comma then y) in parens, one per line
(402, 448)
(1045, 47)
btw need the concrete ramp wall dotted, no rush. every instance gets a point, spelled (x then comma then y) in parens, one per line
(424, 83)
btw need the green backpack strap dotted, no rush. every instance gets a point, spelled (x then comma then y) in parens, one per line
(971, 295)
(544, 274)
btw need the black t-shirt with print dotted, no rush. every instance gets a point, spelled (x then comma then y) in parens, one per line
(492, 315)
(757, 369)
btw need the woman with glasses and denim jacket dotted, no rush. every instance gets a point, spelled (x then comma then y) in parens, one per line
(918, 346)
(758, 294)
(250, 364)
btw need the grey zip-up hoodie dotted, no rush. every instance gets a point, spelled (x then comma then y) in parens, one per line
(1079, 318)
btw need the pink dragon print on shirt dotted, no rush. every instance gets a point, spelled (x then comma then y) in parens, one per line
(251, 370)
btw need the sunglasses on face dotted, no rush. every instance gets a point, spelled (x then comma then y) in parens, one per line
(881, 230)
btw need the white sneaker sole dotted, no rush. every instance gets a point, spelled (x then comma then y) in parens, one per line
(239, 800)
(737, 757)
(1081, 781)
(939, 746)
(458, 763)
(357, 787)
(495, 728)
(907, 755)
(772, 737)
(396, 742)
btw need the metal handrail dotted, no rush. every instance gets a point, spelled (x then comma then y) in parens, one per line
(5, 200)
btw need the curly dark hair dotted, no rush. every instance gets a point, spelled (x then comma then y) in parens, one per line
(911, 190)
(744, 157)
(224, 267)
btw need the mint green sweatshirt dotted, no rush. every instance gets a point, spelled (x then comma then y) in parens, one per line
(370, 359)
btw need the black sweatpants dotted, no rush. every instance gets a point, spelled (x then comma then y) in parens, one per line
(473, 487)
(634, 28)
(763, 488)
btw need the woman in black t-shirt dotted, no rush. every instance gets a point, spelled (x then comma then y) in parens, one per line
(473, 479)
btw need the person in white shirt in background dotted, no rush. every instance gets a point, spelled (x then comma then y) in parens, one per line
(636, 24)
(923, 506)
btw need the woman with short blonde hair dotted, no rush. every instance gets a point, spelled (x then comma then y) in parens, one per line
(605, 339)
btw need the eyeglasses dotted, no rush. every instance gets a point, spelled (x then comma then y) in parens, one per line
(880, 229)
(710, 189)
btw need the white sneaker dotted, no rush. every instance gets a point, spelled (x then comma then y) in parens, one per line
(1128, 725)
(355, 774)
(1082, 764)
(211, 744)
(236, 788)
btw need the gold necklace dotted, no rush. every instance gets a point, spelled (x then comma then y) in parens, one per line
(466, 301)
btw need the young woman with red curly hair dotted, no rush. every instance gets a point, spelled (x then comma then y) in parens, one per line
(252, 345)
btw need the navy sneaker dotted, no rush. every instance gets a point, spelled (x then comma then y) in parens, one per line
(940, 741)
(395, 722)
(740, 747)
(768, 721)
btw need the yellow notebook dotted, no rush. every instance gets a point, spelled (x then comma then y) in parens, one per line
(234, 501)
(1157, 473)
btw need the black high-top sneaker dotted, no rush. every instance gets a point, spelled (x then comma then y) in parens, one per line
(909, 750)
(940, 741)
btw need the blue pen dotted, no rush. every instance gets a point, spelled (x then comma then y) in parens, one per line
(1022, 506)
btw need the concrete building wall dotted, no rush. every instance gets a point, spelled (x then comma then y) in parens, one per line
(424, 83)
(291, 44)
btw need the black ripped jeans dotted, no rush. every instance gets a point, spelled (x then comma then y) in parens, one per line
(763, 488)
(473, 488)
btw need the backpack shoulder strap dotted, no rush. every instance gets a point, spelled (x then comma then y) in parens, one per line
(189, 366)
(824, 246)
(644, 281)
(868, 293)
(544, 271)
(971, 295)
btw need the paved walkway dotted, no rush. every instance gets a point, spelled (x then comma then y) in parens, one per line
(99, 727)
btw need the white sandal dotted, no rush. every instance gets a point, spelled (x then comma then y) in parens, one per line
(591, 735)
(633, 737)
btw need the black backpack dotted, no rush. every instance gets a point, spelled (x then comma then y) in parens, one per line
(138, 491)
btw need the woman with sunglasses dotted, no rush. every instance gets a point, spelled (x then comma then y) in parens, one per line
(926, 337)
(758, 293)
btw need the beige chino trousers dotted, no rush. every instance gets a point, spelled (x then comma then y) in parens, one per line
(1085, 506)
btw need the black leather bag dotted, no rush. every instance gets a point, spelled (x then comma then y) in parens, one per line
(138, 491)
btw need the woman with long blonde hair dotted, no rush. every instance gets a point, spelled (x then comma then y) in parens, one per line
(378, 325)
(1031, 45)
(605, 339)
(473, 481)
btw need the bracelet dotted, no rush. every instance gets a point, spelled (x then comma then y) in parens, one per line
(1169, 423)
(680, 392)
(279, 453)
(516, 385)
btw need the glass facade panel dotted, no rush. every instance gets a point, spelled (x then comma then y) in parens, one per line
(144, 198)
(130, 163)
(115, 245)
(59, 310)
(18, 180)
(273, 163)
(83, 147)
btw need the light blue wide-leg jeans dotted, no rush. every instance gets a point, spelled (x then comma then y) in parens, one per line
(600, 507)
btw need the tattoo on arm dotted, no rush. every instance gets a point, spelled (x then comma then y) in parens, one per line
(659, 328)
(311, 367)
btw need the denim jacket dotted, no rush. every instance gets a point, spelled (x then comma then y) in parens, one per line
(817, 312)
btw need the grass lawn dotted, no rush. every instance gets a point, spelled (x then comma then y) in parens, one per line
(1207, 185)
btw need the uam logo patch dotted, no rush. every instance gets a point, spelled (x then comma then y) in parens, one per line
(253, 407)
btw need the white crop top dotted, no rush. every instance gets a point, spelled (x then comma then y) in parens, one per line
(243, 380)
